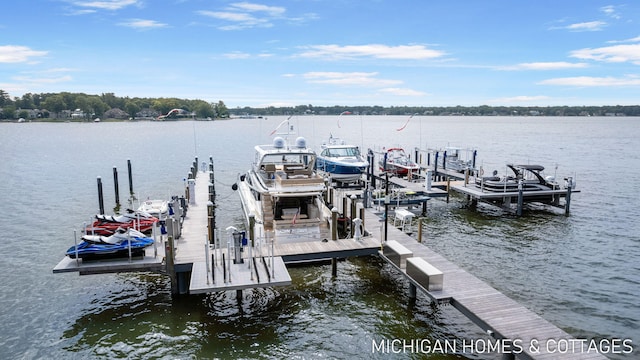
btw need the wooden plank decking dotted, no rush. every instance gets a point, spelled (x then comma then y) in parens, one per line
(492, 311)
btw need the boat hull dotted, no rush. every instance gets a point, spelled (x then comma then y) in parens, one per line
(342, 171)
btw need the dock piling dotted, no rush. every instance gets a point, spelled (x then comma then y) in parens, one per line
(170, 266)
(116, 188)
(192, 190)
(130, 177)
(520, 198)
(210, 224)
(567, 200)
(100, 197)
(334, 223)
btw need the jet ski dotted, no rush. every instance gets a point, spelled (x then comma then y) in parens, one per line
(96, 247)
(108, 224)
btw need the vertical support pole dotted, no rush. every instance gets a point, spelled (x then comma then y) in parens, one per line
(210, 225)
(334, 267)
(386, 200)
(567, 200)
(448, 188)
(116, 187)
(330, 195)
(412, 291)
(473, 164)
(371, 177)
(427, 180)
(334, 224)
(435, 165)
(420, 229)
(170, 265)
(130, 177)
(100, 197)
(520, 198)
(252, 229)
(344, 206)
(192, 190)
(353, 214)
(206, 257)
(444, 160)
(424, 208)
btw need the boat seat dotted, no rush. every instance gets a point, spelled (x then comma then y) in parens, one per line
(305, 172)
(269, 169)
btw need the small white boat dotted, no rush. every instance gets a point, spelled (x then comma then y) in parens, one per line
(397, 162)
(156, 208)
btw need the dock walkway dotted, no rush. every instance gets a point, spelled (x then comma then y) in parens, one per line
(495, 313)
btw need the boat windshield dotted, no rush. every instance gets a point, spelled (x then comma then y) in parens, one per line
(291, 159)
(341, 152)
(396, 153)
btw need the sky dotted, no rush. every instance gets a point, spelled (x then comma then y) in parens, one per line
(327, 52)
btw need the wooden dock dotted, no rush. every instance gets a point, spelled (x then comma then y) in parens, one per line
(495, 313)
(268, 269)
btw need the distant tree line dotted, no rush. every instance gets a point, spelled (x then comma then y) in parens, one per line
(483, 110)
(60, 105)
(87, 107)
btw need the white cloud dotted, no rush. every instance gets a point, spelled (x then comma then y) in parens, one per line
(43, 80)
(402, 92)
(520, 99)
(632, 40)
(610, 11)
(615, 54)
(240, 20)
(18, 54)
(250, 7)
(106, 4)
(379, 51)
(349, 79)
(237, 55)
(557, 65)
(587, 26)
(588, 81)
(142, 24)
(244, 15)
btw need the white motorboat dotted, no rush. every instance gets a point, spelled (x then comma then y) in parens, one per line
(283, 193)
(341, 161)
(156, 208)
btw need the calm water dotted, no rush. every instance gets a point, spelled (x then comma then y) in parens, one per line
(581, 272)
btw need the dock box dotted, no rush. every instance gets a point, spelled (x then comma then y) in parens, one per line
(397, 253)
(425, 274)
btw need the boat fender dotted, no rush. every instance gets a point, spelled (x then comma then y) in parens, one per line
(234, 187)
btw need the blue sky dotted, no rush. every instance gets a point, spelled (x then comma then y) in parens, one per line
(327, 52)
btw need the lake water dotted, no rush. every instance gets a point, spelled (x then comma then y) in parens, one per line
(581, 272)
